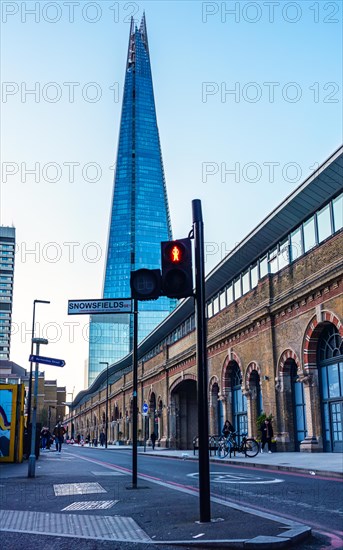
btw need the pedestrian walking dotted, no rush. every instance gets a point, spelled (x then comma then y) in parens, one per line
(59, 432)
(50, 440)
(267, 434)
(44, 437)
(153, 440)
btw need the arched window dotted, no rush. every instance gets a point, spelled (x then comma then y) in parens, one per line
(330, 364)
(330, 344)
(239, 402)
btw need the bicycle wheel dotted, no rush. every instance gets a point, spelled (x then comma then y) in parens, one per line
(250, 447)
(223, 449)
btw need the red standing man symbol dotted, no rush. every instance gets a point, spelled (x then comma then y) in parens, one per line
(176, 254)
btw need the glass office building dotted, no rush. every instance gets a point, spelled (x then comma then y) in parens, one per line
(139, 216)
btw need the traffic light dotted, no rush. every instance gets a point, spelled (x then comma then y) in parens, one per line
(177, 277)
(145, 284)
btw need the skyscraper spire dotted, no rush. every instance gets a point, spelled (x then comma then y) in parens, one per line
(139, 215)
(131, 48)
(143, 31)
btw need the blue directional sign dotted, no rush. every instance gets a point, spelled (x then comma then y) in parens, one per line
(145, 408)
(47, 361)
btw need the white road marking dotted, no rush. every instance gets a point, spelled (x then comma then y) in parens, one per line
(91, 505)
(249, 479)
(67, 489)
(105, 473)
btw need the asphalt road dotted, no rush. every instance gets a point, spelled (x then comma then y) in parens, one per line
(315, 501)
(312, 500)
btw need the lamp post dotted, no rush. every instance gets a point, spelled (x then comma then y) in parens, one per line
(32, 337)
(32, 457)
(106, 425)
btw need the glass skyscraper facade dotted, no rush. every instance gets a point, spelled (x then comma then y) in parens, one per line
(139, 216)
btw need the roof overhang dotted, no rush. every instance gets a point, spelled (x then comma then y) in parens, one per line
(319, 188)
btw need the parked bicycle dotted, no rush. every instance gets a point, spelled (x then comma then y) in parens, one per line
(248, 446)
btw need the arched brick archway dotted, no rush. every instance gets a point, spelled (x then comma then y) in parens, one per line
(215, 410)
(290, 401)
(213, 380)
(159, 418)
(286, 359)
(152, 401)
(252, 390)
(231, 359)
(253, 366)
(310, 377)
(115, 423)
(183, 416)
(180, 379)
(312, 334)
(232, 393)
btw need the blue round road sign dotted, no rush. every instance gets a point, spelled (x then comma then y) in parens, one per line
(145, 408)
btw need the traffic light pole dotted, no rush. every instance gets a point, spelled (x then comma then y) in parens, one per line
(135, 389)
(201, 352)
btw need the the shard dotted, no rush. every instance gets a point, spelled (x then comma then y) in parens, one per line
(139, 214)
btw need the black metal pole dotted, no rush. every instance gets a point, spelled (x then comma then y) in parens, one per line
(29, 398)
(106, 427)
(135, 389)
(201, 352)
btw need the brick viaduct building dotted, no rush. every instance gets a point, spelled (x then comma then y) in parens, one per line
(274, 309)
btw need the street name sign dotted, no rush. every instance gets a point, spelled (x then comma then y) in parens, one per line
(47, 360)
(105, 305)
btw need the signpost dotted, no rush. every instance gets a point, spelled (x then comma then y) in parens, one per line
(47, 361)
(105, 305)
(145, 409)
(110, 306)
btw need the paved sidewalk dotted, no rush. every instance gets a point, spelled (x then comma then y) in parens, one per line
(86, 498)
(325, 464)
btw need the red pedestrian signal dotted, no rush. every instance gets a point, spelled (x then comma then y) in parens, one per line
(175, 252)
(177, 275)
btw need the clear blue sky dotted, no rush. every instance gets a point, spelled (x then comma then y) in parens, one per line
(282, 59)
